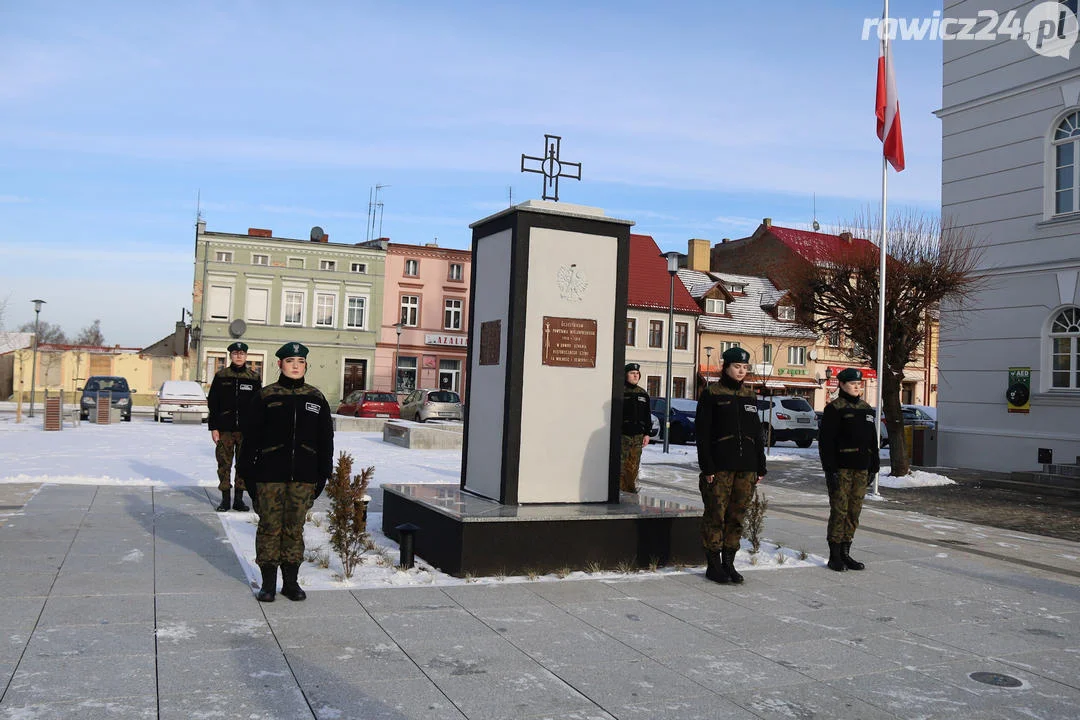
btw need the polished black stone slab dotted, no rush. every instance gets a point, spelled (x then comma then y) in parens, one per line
(462, 534)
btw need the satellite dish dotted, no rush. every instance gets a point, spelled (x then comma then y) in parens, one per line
(817, 226)
(813, 354)
(237, 328)
(317, 234)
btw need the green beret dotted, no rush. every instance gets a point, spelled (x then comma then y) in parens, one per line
(292, 349)
(848, 375)
(735, 355)
(632, 367)
(238, 347)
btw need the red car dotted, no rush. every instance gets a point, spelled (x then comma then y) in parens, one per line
(370, 404)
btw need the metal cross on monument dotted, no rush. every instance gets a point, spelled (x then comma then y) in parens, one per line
(551, 167)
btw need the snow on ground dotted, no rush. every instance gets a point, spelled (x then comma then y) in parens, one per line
(143, 452)
(917, 478)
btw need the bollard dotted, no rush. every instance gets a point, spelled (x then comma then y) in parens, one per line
(406, 535)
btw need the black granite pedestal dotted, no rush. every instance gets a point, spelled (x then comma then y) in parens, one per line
(462, 534)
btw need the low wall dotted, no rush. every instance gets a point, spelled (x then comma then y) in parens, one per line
(415, 436)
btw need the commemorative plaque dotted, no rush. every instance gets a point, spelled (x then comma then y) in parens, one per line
(490, 341)
(569, 342)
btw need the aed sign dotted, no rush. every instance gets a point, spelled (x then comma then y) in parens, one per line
(1018, 393)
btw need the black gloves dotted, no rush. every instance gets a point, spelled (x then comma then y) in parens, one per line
(832, 480)
(320, 484)
(253, 493)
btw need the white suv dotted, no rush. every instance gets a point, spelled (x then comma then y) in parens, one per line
(785, 417)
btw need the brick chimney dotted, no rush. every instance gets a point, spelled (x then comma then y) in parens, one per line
(767, 222)
(697, 254)
(725, 241)
(325, 238)
(259, 232)
(846, 237)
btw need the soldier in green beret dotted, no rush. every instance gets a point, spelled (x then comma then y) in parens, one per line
(230, 394)
(731, 455)
(288, 458)
(848, 446)
(636, 424)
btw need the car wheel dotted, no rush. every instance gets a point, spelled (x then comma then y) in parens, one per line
(768, 435)
(127, 418)
(805, 441)
(84, 416)
(418, 418)
(356, 414)
(678, 435)
(157, 418)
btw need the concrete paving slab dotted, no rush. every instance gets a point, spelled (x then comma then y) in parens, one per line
(234, 603)
(104, 640)
(333, 697)
(43, 680)
(909, 694)
(98, 610)
(694, 708)
(237, 701)
(725, 669)
(1062, 666)
(476, 597)
(18, 612)
(359, 660)
(404, 599)
(617, 685)
(581, 591)
(28, 584)
(131, 707)
(824, 659)
(413, 630)
(644, 628)
(983, 639)
(186, 637)
(329, 603)
(907, 650)
(138, 579)
(244, 672)
(511, 692)
(810, 700)
(311, 631)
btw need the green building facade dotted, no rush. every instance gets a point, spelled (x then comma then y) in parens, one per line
(266, 291)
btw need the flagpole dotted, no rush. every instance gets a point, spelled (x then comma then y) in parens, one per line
(881, 264)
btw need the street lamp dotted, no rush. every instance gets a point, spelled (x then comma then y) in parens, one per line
(33, 366)
(708, 363)
(397, 359)
(672, 268)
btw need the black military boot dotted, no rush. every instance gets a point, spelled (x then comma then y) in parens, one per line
(716, 571)
(238, 501)
(224, 506)
(836, 557)
(269, 583)
(852, 564)
(290, 588)
(728, 565)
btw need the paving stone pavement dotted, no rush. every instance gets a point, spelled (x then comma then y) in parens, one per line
(121, 602)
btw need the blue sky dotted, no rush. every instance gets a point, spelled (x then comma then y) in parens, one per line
(695, 119)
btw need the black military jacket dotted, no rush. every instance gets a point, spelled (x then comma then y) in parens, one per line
(847, 438)
(636, 418)
(230, 394)
(728, 429)
(288, 434)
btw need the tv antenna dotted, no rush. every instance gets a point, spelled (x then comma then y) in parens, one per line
(198, 206)
(816, 225)
(374, 208)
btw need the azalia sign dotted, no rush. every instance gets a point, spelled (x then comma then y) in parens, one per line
(452, 340)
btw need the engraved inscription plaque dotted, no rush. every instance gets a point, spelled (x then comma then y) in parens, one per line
(490, 340)
(569, 342)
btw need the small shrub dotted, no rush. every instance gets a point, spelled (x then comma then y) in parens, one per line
(532, 573)
(654, 563)
(562, 572)
(781, 557)
(469, 578)
(311, 555)
(753, 558)
(626, 567)
(754, 523)
(803, 554)
(592, 567)
(348, 512)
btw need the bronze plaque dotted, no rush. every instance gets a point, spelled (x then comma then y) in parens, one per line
(490, 341)
(569, 342)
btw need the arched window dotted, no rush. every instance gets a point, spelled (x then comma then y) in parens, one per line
(1066, 157)
(1065, 350)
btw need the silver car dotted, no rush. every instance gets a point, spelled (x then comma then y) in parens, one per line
(423, 405)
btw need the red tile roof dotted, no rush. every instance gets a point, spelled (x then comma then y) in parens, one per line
(816, 247)
(650, 283)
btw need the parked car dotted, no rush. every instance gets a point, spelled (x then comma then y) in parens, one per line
(922, 416)
(176, 396)
(786, 417)
(683, 419)
(370, 404)
(423, 405)
(120, 395)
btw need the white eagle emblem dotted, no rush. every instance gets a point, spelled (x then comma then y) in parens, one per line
(572, 283)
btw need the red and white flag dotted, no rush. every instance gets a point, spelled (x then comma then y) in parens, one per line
(888, 109)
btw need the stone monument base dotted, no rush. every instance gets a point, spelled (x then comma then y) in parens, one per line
(428, 436)
(462, 534)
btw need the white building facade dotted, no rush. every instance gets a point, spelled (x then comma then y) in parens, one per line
(1011, 176)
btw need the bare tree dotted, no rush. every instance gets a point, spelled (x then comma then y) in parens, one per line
(47, 332)
(929, 262)
(91, 335)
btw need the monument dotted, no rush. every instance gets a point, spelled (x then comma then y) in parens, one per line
(539, 487)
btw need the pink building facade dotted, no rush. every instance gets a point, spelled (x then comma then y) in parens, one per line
(426, 290)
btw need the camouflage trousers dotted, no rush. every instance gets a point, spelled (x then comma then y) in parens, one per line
(228, 447)
(726, 499)
(845, 504)
(282, 511)
(631, 462)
